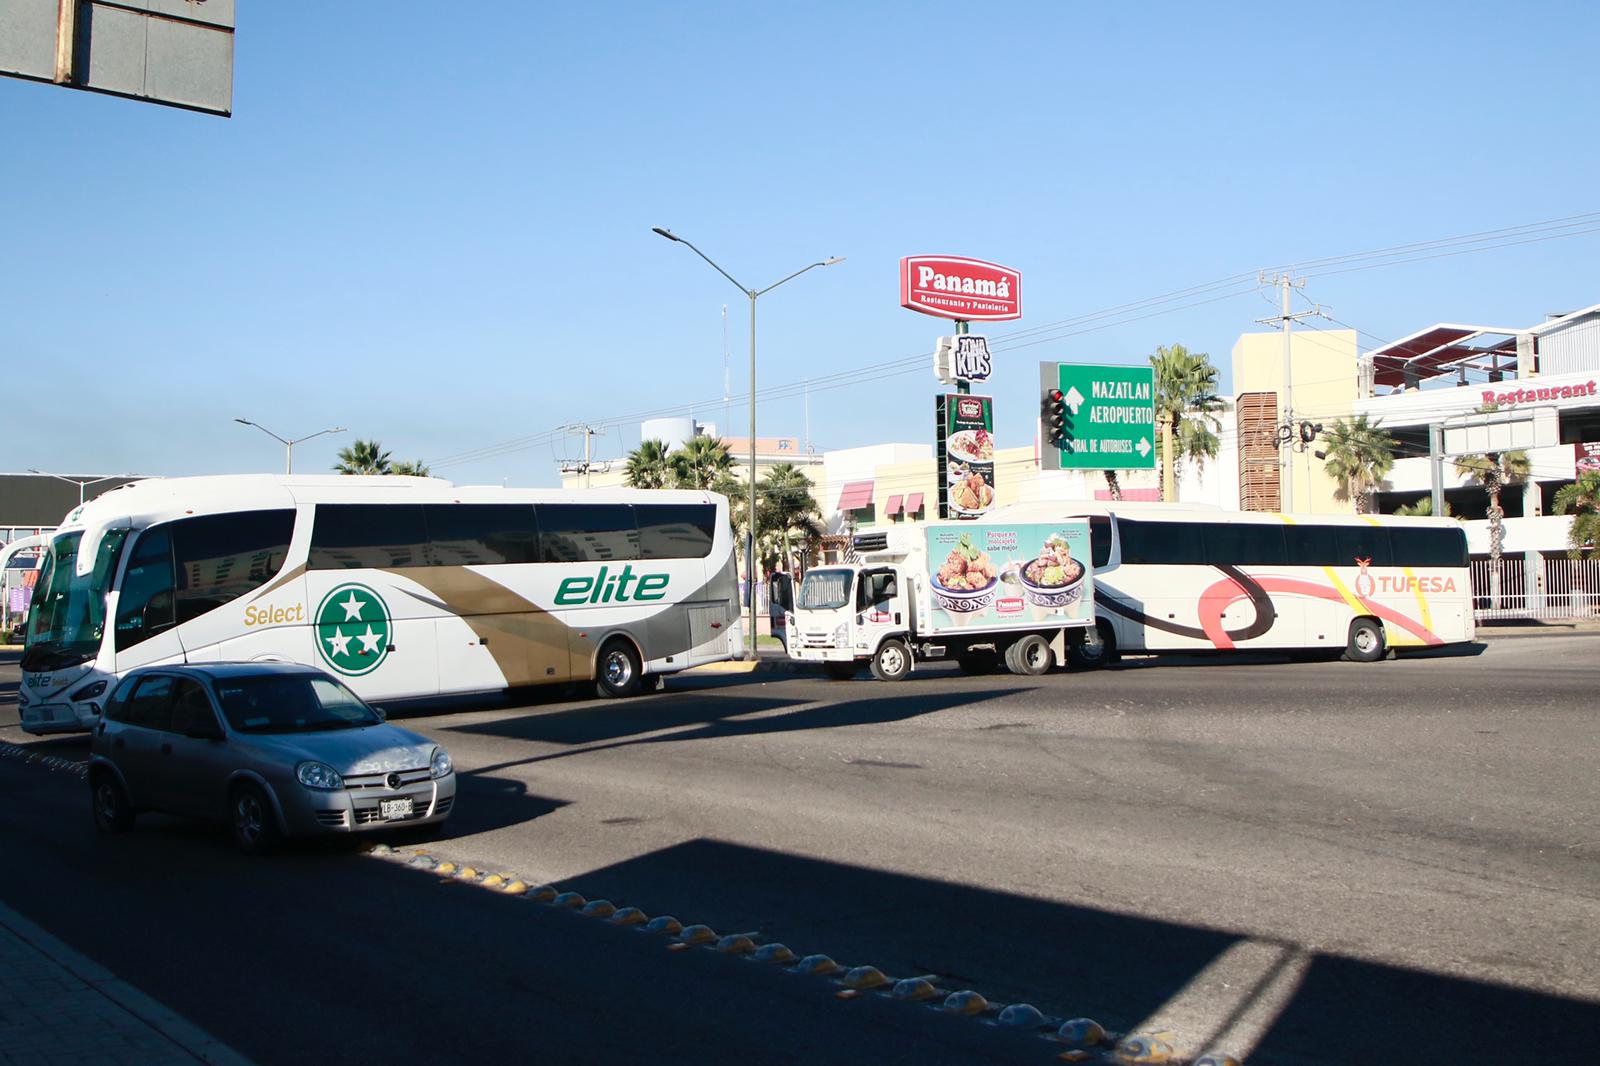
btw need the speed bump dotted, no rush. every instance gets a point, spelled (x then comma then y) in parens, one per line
(493, 881)
(1217, 1058)
(629, 916)
(445, 868)
(864, 977)
(1022, 1016)
(966, 1002)
(542, 893)
(914, 989)
(697, 934)
(665, 924)
(568, 899)
(773, 953)
(818, 965)
(736, 944)
(467, 873)
(1083, 1032)
(599, 908)
(515, 888)
(1142, 1050)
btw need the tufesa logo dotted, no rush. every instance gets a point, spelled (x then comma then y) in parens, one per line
(952, 286)
(1408, 583)
(612, 588)
(1512, 397)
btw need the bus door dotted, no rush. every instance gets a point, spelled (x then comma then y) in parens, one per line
(146, 621)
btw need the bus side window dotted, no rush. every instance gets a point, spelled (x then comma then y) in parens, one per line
(1099, 540)
(145, 605)
(219, 558)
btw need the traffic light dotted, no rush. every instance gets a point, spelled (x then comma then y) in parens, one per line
(1053, 416)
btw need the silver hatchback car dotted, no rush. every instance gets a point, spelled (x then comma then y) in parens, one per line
(274, 749)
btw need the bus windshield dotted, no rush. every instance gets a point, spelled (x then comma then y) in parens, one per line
(69, 616)
(825, 590)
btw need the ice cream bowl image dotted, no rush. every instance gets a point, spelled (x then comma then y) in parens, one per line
(963, 604)
(1051, 596)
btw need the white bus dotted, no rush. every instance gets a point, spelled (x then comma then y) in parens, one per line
(406, 588)
(1177, 579)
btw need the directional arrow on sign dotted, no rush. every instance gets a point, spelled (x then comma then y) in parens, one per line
(1144, 446)
(1074, 399)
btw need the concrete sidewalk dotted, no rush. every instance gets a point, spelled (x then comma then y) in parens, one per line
(57, 1006)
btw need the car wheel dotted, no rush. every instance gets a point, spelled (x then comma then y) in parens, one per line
(110, 804)
(892, 661)
(839, 671)
(255, 828)
(1366, 641)
(1091, 655)
(978, 662)
(617, 671)
(1030, 656)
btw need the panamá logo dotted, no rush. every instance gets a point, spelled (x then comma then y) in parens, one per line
(353, 629)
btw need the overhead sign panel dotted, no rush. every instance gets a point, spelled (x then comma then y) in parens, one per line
(952, 286)
(1107, 416)
(175, 52)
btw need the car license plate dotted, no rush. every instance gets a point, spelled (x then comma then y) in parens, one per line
(392, 809)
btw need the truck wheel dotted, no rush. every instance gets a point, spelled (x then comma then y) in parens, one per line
(1091, 656)
(892, 661)
(1366, 641)
(1030, 656)
(978, 662)
(839, 671)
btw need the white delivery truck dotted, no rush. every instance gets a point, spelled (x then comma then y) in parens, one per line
(980, 593)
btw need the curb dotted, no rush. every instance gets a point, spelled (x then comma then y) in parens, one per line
(763, 665)
(184, 1034)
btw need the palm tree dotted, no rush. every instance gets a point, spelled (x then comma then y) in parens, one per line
(1113, 483)
(1360, 455)
(786, 505)
(647, 466)
(410, 468)
(1186, 395)
(363, 457)
(1582, 498)
(1423, 508)
(1494, 471)
(700, 463)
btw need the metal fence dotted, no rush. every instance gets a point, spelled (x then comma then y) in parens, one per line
(1549, 589)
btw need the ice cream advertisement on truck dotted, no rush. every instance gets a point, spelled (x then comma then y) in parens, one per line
(987, 576)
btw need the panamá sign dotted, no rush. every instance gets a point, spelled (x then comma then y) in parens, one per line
(1110, 417)
(952, 286)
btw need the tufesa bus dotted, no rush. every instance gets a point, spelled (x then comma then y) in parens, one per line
(1170, 578)
(405, 587)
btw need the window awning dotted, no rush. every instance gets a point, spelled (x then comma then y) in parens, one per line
(913, 503)
(856, 495)
(892, 508)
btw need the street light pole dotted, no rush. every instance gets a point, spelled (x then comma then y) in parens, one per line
(753, 294)
(75, 481)
(288, 445)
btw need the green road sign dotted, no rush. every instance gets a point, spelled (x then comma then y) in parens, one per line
(1109, 421)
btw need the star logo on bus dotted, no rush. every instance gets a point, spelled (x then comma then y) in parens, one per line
(353, 629)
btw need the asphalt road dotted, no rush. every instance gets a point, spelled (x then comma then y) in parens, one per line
(1305, 862)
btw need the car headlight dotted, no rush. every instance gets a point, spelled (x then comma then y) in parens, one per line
(440, 763)
(319, 775)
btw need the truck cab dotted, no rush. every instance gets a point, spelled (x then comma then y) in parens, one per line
(849, 612)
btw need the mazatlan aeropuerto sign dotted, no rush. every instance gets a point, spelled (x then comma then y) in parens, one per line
(953, 286)
(1110, 417)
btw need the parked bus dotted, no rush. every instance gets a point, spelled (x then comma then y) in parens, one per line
(1177, 579)
(404, 587)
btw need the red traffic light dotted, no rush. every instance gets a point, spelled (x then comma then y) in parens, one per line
(1055, 396)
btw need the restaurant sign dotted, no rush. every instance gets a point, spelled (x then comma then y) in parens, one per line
(951, 286)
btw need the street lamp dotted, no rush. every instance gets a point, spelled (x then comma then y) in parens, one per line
(77, 481)
(288, 445)
(750, 538)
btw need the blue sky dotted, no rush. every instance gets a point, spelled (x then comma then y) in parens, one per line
(435, 229)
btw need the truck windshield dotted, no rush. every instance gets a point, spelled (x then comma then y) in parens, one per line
(69, 615)
(825, 590)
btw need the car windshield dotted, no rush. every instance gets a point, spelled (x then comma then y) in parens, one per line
(291, 705)
(825, 590)
(69, 608)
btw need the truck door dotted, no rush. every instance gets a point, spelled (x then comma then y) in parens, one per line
(881, 606)
(780, 605)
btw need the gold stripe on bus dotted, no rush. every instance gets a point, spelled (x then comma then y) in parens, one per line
(1416, 587)
(528, 643)
(1393, 635)
(282, 580)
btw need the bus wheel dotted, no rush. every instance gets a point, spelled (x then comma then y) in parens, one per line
(1029, 656)
(617, 671)
(839, 671)
(1366, 641)
(892, 661)
(1091, 655)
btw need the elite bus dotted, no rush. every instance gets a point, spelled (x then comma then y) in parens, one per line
(404, 587)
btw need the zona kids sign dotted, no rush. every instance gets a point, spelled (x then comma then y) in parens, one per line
(352, 629)
(952, 286)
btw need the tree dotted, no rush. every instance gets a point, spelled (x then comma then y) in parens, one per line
(1186, 403)
(410, 468)
(1113, 483)
(1360, 455)
(785, 506)
(1582, 498)
(647, 466)
(363, 457)
(1494, 471)
(1423, 508)
(700, 463)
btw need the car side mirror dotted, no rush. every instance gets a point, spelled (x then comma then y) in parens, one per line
(383, 715)
(204, 729)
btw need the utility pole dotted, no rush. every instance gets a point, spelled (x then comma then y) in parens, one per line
(585, 465)
(1284, 319)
